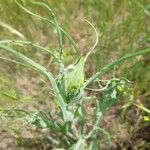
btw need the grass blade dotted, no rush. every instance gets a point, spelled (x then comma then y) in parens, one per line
(12, 30)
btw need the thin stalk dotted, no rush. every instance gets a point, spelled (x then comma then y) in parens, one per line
(111, 65)
(11, 60)
(96, 40)
(59, 34)
(99, 115)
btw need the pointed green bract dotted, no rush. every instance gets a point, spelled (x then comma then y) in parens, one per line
(72, 80)
(74, 77)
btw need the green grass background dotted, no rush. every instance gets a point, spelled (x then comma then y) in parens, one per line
(122, 25)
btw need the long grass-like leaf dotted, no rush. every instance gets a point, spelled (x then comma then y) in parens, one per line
(111, 65)
(59, 34)
(11, 60)
(27, 60)
(32, 44)
(52, 23)
(12, 30)
(41, 69)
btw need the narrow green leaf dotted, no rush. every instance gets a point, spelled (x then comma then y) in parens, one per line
(114, 63)
(52, 23)
(66, 114)
(32, 44)
(59, 34)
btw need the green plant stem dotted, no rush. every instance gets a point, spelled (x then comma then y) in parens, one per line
(111, 65)
(45, 72)
(59, 32)
(11, 60)
(99, 115)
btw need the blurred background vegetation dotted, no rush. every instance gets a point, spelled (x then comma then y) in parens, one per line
(123, 27)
